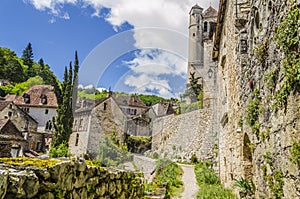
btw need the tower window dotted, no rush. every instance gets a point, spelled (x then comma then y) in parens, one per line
(194, 34)
(77, 139)
(205, 27)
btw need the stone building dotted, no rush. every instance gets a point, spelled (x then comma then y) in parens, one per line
(12, 142)
(251, 71)
(202, 27)
(39, 102)
(108, 116)
(23, 121)
(194, 133)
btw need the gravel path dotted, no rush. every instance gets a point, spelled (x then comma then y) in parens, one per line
(189, 182)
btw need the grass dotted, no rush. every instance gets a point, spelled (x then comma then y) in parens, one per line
(49, 163)
(209, 183)
(168, 173)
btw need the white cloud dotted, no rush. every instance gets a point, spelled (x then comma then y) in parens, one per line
(53, 6)
(165, 35)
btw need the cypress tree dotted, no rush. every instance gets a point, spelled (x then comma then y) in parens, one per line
(63, 122)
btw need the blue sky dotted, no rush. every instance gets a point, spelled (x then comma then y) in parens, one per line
(128, 45)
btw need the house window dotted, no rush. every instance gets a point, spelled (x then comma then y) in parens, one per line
(205, 27)
(104, 106)
(38, 146)
(26, 98)
(43, 99)
(10, 106)
(77, 139)
(48, 125)
(80, 123)
(9, 114)
(46, 111)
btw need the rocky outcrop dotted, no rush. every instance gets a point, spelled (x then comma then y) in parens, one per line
(68, 179)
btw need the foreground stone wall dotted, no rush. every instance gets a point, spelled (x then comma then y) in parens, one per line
(181, 136)
(70, 179)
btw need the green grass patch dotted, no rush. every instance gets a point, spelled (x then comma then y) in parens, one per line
(209, 183)
(169, 173)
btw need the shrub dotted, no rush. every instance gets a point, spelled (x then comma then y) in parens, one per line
(209, 183)
(61, 150)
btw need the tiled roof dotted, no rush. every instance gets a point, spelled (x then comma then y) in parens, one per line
(129, 101)
(3, 122)
(210, 12)
(35, 93)
(196, 7)
(8, 131)
(3, 104)
(10, 97)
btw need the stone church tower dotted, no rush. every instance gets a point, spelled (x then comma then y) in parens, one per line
(202, 28)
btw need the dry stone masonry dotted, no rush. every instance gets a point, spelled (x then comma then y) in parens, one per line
(68, 179)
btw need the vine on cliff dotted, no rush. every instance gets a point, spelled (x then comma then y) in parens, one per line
(288, 37)
(253, 111)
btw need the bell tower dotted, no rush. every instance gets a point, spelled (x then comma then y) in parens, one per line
(196, 49)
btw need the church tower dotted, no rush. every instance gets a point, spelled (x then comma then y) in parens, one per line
(196, 49)
(202, 27)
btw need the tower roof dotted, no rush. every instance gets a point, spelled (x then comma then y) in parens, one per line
(197, 7)
(210, 13)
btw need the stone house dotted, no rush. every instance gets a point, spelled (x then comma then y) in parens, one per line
(12, 142)
(23, 121)
(108, 116)
(163, 108)
(40, 103)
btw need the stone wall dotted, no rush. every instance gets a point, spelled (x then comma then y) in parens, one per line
(181, 136)
(250, 69)
(69, 179)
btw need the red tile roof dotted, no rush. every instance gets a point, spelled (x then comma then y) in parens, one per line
(35, 93)
(3, 104)
(210, 12)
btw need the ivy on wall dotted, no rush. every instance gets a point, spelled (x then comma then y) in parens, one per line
(288, 38)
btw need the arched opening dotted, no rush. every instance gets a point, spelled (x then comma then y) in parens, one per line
(205, 26)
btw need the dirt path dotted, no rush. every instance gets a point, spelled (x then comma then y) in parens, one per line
(189, 182)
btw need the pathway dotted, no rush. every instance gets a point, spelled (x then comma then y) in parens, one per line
(189, 182)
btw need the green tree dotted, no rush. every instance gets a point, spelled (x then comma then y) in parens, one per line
(63, 122)
(27, 58)
(10, 67)
(193, 88)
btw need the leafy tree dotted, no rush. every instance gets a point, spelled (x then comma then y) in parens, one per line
(27, 58)
(10, 67)
(19, 88)
(193, 88)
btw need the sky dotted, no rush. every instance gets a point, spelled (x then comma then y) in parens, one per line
(134, 46)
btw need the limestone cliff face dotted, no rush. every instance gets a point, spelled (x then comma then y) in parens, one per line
(259, 101)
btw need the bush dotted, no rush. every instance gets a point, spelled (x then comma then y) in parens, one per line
(61, 150)
(110, 154)
(209, 183)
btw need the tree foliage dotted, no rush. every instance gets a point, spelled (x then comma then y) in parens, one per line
(63, 122)
(27, 58)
